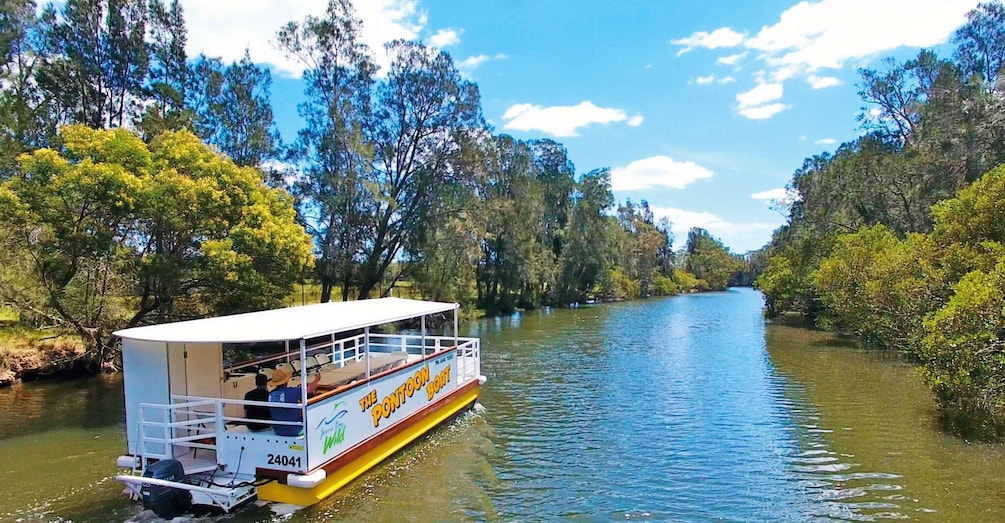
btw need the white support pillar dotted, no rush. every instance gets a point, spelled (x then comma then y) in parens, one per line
(303, 382)
(366, 350)
(422, 323)
(456, 307)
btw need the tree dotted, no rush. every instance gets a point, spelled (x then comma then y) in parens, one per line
(334, 188)
(514, 260)
(586, 252)
(964, 355)
(709, 260)
(117, 233)
(980, 44)
(422, 112)
(24, 122)
(233, 111)
(169, 74)
(97, 61)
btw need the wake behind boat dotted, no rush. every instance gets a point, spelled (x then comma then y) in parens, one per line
(194, 437)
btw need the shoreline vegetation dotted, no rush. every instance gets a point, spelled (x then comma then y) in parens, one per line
(28, 354)
(140, 185)
(898, 238)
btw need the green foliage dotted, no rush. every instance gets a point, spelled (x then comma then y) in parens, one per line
(685, 280)
(615, 285)
(918, 266)
(171, 223)
(964, 354)
(664, 286)
(710, 261)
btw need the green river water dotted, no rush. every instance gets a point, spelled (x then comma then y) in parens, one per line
(680, 409)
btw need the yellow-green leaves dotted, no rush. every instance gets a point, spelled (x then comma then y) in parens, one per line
(119, 231)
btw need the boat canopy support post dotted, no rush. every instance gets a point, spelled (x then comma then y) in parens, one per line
(422, 327)
(303, 381)
(456, 307)
(366, 350)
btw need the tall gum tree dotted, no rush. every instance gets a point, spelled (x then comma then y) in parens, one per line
(334, 186)
(422, 110)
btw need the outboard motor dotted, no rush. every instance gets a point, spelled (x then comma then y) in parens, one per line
(166, 502)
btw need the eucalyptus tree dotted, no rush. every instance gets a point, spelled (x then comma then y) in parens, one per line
(511, 214)
(232, 110)
(558, 179)
(422, 111)
(24, 125)
(335, 188)
(586, 251)
(96, 61)
(169, 75)
(980, 44)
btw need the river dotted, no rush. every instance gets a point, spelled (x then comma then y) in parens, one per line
(686, 409)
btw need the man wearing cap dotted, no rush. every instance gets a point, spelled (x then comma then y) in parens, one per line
(283, 393)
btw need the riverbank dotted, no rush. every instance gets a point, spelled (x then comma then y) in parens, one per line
(29, 354)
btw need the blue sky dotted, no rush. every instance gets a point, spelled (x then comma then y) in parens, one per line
(704, 109)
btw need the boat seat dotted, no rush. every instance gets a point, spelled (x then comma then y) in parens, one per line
(267, 371)
(323, 359)
(296, 366)
(286, 367)
(311, 363)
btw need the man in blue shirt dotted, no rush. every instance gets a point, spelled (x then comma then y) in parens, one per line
(283, 393)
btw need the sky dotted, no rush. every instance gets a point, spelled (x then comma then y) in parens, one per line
(702, 108)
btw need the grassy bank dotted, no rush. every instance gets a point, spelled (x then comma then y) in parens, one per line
(28, 354)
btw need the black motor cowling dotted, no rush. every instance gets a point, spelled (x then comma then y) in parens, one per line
(166, 502)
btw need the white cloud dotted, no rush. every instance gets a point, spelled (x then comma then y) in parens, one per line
(721, 37)
(472, 62)
(754, 103)
(635, 121)
(826, 141)
(739, 237)
(828, 33)
(731, 59)
(253, 24)
(760, 94)
(822, 82)
(770, 194)
(444, 38)
(774, 198)
(559, 120)
(657, 171)
(763, 112)
(710, 79)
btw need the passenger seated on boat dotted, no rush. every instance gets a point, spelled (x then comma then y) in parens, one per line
(282, 393)
(259, 393)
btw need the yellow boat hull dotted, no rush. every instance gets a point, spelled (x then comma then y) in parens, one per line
(276, 491)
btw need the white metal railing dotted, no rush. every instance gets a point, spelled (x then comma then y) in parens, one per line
(193, 422)
(468, 360)
(189, 424)
(348, 350)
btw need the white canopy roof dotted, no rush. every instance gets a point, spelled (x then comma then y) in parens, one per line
(288, 324)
